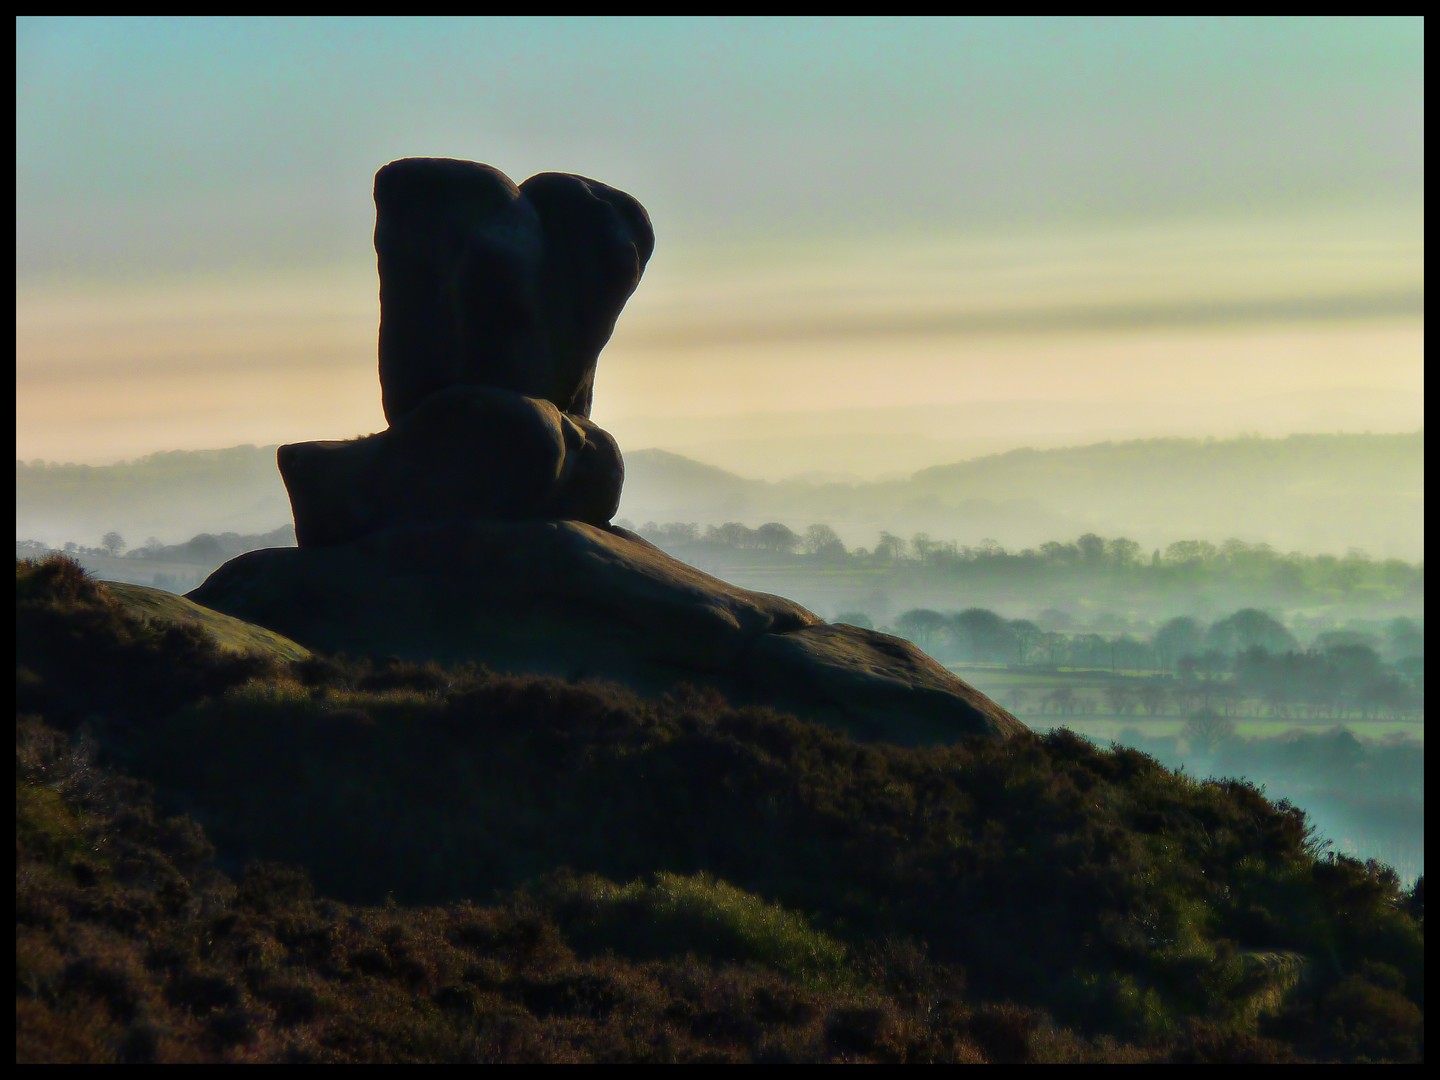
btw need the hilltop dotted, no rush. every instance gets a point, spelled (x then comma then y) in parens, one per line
(484, 867)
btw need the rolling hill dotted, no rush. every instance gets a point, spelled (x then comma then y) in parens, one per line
(1312, 493)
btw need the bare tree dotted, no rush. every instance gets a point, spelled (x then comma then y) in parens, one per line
(1122, 698)
(922, 626)
(823, 541)
(1152, 697)
(1206, 730)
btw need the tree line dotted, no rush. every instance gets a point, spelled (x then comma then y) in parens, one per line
(1116, 561)
(1248, 656)
(1184, 563)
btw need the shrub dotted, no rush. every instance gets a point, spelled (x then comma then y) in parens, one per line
(668, 913)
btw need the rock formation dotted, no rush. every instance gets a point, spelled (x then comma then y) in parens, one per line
(495, 302)
(476, 527)
(464, 453)
(487, 284)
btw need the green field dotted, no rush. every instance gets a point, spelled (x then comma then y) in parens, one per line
(1112, 728)
(1029, 694)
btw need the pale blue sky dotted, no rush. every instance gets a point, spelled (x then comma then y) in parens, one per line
(798, 168)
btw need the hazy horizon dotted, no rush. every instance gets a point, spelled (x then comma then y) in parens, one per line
(1317, 494)
(749, 449)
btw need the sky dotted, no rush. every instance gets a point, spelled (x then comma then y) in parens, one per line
(881, 244)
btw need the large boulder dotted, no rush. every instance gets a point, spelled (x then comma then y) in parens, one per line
(484, 283)
(575, 600)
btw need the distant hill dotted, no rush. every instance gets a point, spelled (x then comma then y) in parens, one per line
(1313, 493)
(682, 489)
(170, 496)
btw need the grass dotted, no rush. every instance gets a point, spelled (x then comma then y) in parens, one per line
(231, 634)
(667, 913)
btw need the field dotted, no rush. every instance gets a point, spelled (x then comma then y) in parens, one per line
(1080, 699)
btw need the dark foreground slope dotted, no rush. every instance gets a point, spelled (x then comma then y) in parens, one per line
(489, 868)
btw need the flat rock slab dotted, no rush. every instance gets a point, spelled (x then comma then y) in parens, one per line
(581, 601)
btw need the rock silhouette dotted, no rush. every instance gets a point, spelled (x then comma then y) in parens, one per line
(465, 453)
(484, 283)
(495, 302)
(475, 528)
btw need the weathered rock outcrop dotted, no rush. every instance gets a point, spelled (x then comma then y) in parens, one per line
(476, 527)
(574, 600)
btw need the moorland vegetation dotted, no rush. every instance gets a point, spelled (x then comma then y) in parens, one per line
(228, 856)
